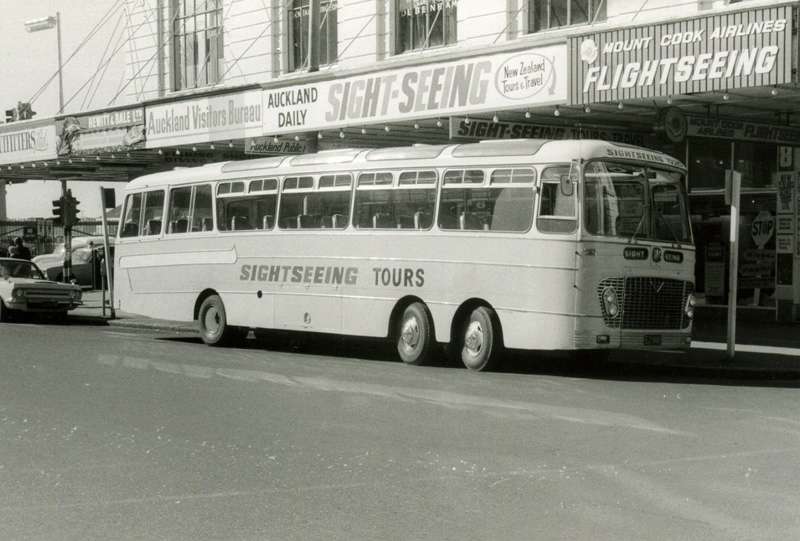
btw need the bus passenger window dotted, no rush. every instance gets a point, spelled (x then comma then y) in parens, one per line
(153, 210)
(179, 201)
(505, 205)
(202, 208)
(556, 210)
(133, 209)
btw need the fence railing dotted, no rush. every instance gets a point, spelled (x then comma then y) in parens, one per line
(41, 236)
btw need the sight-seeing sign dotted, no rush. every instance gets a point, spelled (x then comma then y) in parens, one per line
(200, 120)
(28, 141)
(736, 49)
(484, 83)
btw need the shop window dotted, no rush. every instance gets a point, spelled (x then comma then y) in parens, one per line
(708, 160)
(757, 162)
(422, 24)
(549, 14)
(197, 44)
(298, 33)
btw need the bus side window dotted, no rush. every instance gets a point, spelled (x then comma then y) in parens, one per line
(153, 211)
(178, 215)
(133, 210)
(556, 210)
(202, 208)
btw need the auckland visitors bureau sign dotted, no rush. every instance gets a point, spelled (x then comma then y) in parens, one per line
(485, 83)
(736, 49)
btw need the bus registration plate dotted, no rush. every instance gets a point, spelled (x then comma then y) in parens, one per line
(652, 339)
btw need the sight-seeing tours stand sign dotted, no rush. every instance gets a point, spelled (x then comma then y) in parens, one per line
(484, 83)
(736, 49)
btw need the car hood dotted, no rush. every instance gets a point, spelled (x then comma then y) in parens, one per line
(39, 283)
(48, 260)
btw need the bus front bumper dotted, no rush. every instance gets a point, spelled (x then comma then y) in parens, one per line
(654, 339)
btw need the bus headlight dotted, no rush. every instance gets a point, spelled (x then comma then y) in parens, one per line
(690, 303)
(76, 295)
(19, 294)
(610, 301)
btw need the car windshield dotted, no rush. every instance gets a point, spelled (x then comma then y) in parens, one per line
(10, 268)
(635, 202)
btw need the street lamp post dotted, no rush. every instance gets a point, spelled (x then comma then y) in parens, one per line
(46, 23)
(37, 25)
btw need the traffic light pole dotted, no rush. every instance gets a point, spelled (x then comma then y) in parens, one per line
(67, 268)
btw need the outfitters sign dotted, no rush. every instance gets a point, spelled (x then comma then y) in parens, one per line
(719, 52)
(492, 82)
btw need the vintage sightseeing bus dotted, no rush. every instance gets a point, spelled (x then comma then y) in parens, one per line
(528, 244)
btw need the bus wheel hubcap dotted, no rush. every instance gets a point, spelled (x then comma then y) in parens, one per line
(212, 321)
(474, 338)
(410, 333)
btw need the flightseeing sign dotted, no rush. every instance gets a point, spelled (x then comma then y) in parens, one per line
(740, 49)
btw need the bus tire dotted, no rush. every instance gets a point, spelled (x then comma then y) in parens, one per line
(415, 335)
(481, 342)
(214, 328)
(5, 313)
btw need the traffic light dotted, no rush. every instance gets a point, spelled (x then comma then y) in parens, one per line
(24, 110)
(71, 209)
(58, 211)
(11, 115)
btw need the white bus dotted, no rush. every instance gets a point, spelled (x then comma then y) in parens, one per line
(526, 244)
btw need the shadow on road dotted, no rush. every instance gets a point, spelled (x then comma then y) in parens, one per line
(707, 368)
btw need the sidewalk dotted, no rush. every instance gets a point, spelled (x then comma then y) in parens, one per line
(762, 345)
(92, 309)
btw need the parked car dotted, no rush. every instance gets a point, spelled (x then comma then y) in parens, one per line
(24, 288)
(83, 250)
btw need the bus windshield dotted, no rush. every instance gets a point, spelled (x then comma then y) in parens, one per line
(635, 202)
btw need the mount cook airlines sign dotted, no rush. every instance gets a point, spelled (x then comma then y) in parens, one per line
(714, 53)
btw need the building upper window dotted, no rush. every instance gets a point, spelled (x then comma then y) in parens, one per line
(298, 33)
(197, 46)
(548, 14)
(426, 23)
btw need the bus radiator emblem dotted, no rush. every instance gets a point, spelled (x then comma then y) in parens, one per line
(657, 285)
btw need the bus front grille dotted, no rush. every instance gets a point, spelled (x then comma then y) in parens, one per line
(647, 303)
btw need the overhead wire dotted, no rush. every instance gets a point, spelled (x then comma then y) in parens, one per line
(87, 100)
(117, 4)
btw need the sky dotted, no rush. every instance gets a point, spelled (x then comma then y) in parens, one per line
(27, 60)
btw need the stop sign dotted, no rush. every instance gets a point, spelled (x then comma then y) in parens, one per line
(763, 228)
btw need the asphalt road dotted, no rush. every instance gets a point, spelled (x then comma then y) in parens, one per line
(118, 434)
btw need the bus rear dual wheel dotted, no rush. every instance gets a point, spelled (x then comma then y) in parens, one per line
(479, 341)
(214, 328)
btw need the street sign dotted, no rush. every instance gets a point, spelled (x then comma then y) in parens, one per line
(763, 228)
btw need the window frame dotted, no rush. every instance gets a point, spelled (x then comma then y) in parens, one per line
(592, 17)
(395, 187)
(325, 57)
(191, 210)
(487, 184)
(315, 189)
(446, 42)
(556, 218)
(184, 33)
(246, 194)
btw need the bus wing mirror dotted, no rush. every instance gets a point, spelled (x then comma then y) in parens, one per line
(568, 181)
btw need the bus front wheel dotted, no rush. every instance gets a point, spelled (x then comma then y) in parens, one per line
(481, 342)
(214, 328)
(415, 335)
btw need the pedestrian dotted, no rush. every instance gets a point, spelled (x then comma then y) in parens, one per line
(18, 250)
